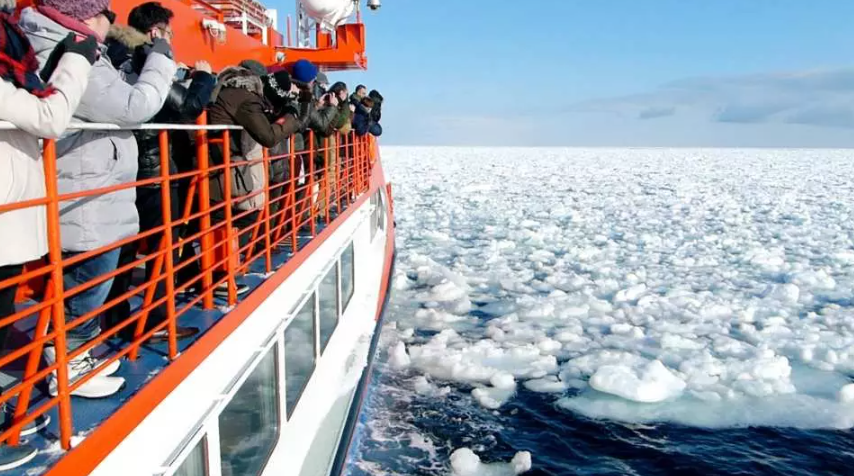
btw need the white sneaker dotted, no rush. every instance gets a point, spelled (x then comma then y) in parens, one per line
(100, 386)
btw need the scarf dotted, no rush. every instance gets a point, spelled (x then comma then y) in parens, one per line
(18, 63)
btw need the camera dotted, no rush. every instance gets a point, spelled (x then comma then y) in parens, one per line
(374, 4)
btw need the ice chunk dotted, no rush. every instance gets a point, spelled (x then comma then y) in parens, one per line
(398, 358)
(846, 394)
(655, 384)
(465, 462)
(549, 384)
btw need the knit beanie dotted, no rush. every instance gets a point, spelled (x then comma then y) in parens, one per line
(304, 71)
(255, 66)
(80, 10)
(277, 87)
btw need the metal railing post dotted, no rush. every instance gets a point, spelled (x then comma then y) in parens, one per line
(328, 169)
(268, 253)
(292, 190)
(229, 232)
(206, 241)
(311, 203)
(55, 258)
(168, 243)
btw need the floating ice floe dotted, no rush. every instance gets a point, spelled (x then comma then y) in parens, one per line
(465, 462)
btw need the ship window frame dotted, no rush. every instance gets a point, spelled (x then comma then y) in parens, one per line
(214, 454)
(311, 296)
(202, 443)
(374, 216)
(346, 299)
(200, 437)
(382, 212)
(321, 346)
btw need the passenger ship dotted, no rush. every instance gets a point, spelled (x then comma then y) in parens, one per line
(273, 384)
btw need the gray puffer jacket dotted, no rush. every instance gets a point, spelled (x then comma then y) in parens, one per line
(90, 160)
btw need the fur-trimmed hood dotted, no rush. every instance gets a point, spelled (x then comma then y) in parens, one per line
(127, 36)
(238, 78)
(122, 43)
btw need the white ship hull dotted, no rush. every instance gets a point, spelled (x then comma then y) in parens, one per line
(200, 427)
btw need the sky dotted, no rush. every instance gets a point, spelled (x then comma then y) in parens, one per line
(719, 73)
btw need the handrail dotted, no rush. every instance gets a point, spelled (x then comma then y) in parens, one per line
(232, 235)
(97, 126)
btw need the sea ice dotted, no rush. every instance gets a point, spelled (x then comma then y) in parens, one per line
(643, 285)
(465, 462)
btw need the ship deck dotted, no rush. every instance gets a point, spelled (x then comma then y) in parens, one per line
(88, 414)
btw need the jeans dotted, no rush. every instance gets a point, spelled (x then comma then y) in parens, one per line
(7, 308)
(88, 300)
(148, 204)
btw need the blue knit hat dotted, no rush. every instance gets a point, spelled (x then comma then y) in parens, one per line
(304, 72)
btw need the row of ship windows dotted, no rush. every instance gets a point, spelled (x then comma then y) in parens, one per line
(248, 427)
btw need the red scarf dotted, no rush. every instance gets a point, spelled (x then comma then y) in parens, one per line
(18, 63)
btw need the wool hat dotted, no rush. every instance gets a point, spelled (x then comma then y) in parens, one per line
(304, 72)
(277, 87)
(255, 66)
(322, 79)
(79, 10)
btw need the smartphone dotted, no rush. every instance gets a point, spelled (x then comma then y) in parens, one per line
(182, 74)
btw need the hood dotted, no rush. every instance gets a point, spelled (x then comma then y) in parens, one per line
(238, 78)
(127, 36)
(122, 42)
(44, 34)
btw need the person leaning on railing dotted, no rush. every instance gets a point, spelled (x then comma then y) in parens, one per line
(128, 48)
(324, 111)
(89, 160)
(37, 110)
(330, 147)
(244, 99)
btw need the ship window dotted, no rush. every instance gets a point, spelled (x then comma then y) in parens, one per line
(375, 216)
(381, 213)
(249, 425)
(195, 464)
(328, 306)
(299, 353)
(348, 276)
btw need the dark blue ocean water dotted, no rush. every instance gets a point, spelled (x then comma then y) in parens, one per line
(396, 423)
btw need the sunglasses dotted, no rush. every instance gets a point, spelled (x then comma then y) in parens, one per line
(109, 15)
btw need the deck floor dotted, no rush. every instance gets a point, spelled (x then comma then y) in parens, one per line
(89, 414)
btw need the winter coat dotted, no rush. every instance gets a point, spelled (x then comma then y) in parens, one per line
(184, 104)
(25, 231)
(321, 121)
(357, 101)
(90, 160)
(363, 124)
(239, 101)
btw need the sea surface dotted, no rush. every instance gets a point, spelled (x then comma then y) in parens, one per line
(616, 312)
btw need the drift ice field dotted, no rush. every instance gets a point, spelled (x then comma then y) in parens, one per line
(707, 288)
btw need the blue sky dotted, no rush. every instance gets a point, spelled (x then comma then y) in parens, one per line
(614, 72)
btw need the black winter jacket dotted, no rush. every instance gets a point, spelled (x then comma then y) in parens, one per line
(127, 49)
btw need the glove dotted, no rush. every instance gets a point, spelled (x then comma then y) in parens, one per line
(159, 45)
(87, 48)
(7, 6)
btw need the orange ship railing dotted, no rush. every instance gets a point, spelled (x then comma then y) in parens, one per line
(304, 200)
